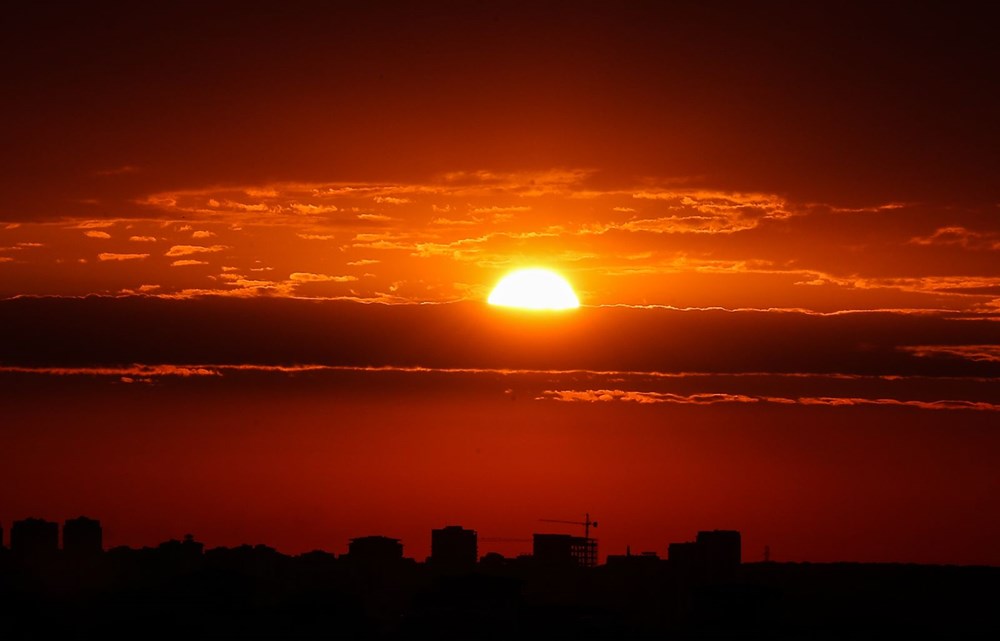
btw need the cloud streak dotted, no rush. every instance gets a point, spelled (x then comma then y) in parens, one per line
(187, 250)
(150, 373)
(110, 256)
(650, 398)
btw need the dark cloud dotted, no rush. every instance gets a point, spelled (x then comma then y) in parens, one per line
(114, 331)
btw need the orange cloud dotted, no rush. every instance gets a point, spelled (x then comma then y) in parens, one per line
(617, 395)
(97, 234)
(106, 256)
(608, 395)
(187, 263)
(960, 236)
(93, 224)
(980, 353)
(312, 209)
(187, 250)
(500, 210)
(305, 277)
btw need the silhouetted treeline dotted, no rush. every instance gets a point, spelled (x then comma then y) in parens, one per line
(179, 589)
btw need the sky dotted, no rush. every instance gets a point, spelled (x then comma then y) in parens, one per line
(245, 254)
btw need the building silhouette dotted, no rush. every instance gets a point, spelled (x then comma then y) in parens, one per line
(82, 537)
(454, 549)
(34, 538)
(632, 561)
(685, 556)
(721, 550)
(564, 550)
(375, 549)
(181, 556)
(713, 554)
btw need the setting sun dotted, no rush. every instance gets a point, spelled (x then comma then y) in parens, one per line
(534, 289)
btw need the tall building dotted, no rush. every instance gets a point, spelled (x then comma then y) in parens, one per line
(82, 537)
(34, 538)
(721, 550)
(564, 549)
(454, 549)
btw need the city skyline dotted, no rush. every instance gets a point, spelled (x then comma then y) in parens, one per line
(33, 536)
(453, 548)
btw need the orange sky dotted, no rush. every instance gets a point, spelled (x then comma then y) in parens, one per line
(777, 217)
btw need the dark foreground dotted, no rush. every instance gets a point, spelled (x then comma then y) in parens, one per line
(256, 592)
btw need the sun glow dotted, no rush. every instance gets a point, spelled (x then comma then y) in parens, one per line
(534, 289)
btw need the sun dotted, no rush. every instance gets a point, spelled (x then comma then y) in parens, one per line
(534, 289)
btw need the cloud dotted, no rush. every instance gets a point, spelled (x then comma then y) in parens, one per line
(202, 234)
(455, 222)
(960, 236)
(949, 285)
(106, 256)
(979, 353)
(313, 209)
(593, 339)
(187, 263)
(608, 395)
(500, 210)
(129, 371)
(141, 290)
(645, 398)
(306, 277)
(187, 250)
(646, 240)
(519, 379)
(142, 239)
(238, 206)
(924, 405)
(93, 224)
(364, 261)
(97, 234)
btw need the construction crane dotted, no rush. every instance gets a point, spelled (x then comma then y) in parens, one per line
(586, 554)
(586, 523)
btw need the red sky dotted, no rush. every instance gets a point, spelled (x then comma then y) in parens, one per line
(782, 222)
